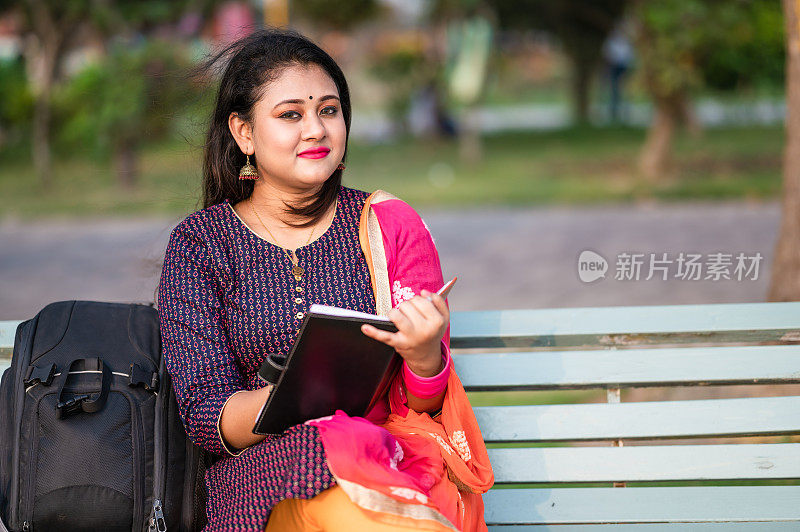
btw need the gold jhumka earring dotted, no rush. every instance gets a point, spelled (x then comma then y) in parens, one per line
(248, 171)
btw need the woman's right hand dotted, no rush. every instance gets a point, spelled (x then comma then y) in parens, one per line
(421, 323)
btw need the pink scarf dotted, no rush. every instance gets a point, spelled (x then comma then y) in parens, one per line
(400, 466)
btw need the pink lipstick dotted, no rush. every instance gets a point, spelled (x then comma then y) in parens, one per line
(314, 153)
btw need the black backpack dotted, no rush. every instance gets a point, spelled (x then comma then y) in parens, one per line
(90, 437)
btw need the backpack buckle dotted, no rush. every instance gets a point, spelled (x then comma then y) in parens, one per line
(140, 376)
(35, 373)
(70, 406)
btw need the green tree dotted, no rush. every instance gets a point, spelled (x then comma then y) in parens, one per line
(785, 281)
(684, 45)
(668, 33)
(133, 95)
(580, 25)
(16, 105)
(745, 50)
(52, 27)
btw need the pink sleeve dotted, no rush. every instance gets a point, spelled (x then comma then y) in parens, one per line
(413, 264)
(428, 387)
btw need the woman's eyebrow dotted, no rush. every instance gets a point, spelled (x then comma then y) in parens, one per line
(326, 97)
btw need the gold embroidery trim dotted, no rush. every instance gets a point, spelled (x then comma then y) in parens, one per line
(376, 501)
(371, 238)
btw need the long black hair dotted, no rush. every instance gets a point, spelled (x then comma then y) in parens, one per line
(253, 62)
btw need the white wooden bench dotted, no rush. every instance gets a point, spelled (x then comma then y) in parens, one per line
(616, 348)
(546, 482)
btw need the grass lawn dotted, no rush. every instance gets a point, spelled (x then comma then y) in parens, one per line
(575, 166)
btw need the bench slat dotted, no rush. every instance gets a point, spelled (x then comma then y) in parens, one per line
(769, 364)
(651, 419)
(621, 368)
(640, 505)
(607, 325)
(646, 463)
(565, 327)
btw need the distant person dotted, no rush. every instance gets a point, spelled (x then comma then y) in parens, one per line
(619, 55)
(428, 115)
(278, 233)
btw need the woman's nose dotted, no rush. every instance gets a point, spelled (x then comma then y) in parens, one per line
(313, 128)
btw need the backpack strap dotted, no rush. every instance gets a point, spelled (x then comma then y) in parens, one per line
(89, 403)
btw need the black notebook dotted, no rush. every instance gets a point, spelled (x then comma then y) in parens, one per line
(331, 366)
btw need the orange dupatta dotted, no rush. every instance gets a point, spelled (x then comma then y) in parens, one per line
(456, 437)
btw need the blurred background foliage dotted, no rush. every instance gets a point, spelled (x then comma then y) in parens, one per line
(403, 68)
(132, 93)
(337, 15)
(121, 125)
(750, 56)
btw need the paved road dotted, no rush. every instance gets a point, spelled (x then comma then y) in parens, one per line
(505, 258)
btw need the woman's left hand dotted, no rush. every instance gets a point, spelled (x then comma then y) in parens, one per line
(421, 323)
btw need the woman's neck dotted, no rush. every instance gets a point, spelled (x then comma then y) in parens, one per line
(264, 212)
(270, 202)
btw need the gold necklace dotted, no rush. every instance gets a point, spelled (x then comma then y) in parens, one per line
(297, 270)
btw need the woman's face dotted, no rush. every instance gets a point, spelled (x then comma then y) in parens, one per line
(282, 130)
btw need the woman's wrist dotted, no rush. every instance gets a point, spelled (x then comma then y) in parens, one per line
(237, 418)
(426, 387)
(429, 366)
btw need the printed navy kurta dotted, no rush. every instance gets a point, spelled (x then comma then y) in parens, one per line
(226, 299)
